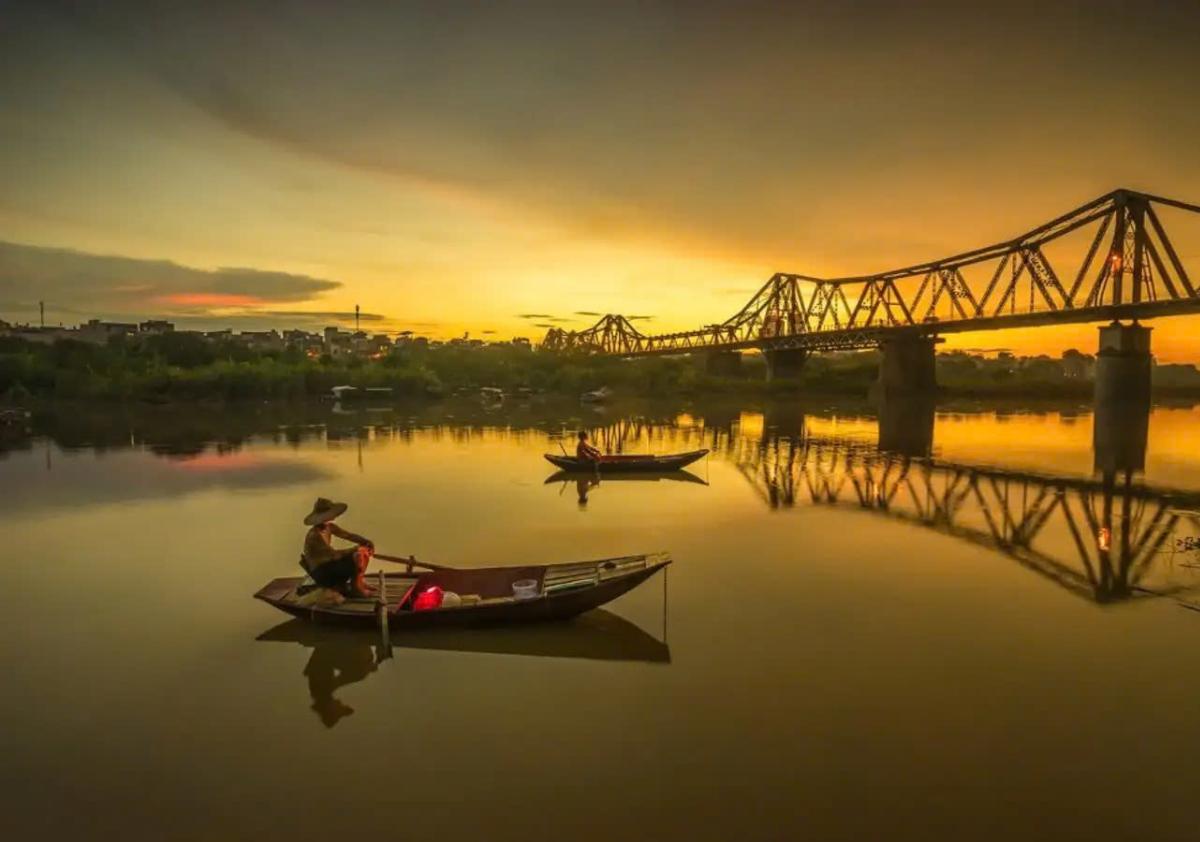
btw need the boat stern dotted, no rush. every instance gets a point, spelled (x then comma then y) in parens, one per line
(276, 590)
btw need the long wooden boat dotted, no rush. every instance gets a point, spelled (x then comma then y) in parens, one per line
(563, 591)
(623, 463)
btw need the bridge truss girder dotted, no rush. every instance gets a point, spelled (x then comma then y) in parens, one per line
(1128, 268)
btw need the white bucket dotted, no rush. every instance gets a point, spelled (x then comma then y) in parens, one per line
(525, 588)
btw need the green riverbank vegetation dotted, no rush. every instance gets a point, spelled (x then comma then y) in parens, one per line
(183, 366)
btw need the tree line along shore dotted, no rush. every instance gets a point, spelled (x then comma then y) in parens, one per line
(185, 366)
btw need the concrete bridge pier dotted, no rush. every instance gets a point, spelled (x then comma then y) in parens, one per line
(1122, 398)
(1123, 364)
(723, 363)
(785, 363)
(907, 366)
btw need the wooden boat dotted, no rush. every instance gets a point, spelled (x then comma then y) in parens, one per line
(623, 463)
(343, 394)
(562, 591)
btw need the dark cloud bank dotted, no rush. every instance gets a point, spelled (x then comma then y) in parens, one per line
(77, 282)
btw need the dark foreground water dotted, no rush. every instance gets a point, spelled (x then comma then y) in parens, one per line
(997, 642)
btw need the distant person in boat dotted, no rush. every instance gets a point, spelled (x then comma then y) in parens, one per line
(585, 451)
(338, 570)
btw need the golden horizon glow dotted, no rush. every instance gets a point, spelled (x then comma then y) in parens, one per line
(500, 186)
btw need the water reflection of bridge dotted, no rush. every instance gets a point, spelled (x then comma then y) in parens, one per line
(1102, 539)
(1109, 538)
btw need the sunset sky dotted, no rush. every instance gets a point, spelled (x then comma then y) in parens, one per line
(500, 167)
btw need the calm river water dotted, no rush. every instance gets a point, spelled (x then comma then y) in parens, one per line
(998, 641)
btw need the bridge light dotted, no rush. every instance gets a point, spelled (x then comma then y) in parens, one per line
(1116, 261)
(1104, 538)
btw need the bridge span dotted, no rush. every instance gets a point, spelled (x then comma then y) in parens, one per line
(1108, 260)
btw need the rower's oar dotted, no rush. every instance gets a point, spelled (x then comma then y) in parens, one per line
(411, 561)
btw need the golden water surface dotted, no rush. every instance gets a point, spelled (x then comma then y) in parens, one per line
(991, 639)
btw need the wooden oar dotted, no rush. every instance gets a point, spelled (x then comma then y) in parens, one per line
(411, 561)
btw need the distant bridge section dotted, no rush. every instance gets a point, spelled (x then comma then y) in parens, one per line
(1109, 259)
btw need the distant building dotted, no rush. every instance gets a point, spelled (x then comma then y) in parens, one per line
(218, 335)
(311, 344)
(97, 331)
(337, 342)
(1078, 366)
(379, 345)
(156, 326)
(300, 337)
(261, 340)
(41, 335)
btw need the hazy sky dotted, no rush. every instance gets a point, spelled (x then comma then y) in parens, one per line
(455, 167)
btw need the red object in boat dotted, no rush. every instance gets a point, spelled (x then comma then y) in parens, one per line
(428, 599)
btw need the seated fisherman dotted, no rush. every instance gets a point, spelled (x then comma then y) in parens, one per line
(585, 451)
(339, 570)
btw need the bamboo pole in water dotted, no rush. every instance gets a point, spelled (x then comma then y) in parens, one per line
(386, 644)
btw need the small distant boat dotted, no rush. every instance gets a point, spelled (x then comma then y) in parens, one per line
(619, 464)
(596, 395)
(491, 394)
(558, 592)
(350, 393)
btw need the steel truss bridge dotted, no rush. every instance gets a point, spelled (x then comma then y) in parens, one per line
(1108, 259)
(1107, 539)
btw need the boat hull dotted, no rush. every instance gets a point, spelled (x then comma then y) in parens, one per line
(626, 464)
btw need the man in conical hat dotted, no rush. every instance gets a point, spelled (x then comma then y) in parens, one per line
(338, 570)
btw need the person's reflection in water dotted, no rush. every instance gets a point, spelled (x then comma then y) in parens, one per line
(584, 484)
(335, 663)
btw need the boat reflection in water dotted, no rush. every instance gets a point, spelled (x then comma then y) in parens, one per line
(341, 657)
(584, 483)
